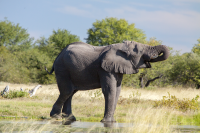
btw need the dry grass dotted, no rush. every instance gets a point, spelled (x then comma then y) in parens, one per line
(158, 93)
(149, 120)
(153, 94)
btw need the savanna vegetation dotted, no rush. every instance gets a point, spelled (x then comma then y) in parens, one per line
(22, 61)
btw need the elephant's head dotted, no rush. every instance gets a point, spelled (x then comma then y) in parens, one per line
(130, 56)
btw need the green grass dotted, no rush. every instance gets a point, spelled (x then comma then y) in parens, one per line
(186, 120)
(24, 108)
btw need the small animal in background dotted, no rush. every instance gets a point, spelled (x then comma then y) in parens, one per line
(21, 89)
(33, 91)
(6, 90)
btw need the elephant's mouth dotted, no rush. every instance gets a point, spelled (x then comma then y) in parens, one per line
(148, 65)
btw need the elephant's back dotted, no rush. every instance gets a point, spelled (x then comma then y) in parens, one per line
(81, 46)
(81, 56)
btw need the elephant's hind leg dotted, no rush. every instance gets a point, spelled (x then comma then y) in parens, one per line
(67, 110)
(66, 89)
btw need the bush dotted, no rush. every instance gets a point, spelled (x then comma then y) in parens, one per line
(15, 94)
(175, 103)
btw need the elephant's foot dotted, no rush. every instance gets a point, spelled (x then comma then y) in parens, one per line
(68, 119)
(55, 114)
(108, 120)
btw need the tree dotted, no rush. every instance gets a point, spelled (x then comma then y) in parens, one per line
(53, 45)
(186, 70)
(22, 61)
(11, 69)
(14, 37)
(13, 41)
(196, 48)
(61, 38)
(34, 61)
(111, 30)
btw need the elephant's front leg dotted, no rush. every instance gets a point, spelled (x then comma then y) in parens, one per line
(108, 85)
(118, 88)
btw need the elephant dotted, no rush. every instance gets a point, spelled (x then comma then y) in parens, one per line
(81, 66)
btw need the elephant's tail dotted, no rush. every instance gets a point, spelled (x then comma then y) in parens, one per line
(50, 71)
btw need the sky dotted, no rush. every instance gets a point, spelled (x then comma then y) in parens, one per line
(175, 22)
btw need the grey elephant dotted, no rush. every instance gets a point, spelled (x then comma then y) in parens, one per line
(81, 66)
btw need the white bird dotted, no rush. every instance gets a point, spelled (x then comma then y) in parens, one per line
(33, 91)
(6, 90)
(21, 89)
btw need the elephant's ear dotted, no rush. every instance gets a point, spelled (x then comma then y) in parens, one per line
(118, 61)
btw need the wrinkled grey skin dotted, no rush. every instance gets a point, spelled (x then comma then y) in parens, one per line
(81, 66)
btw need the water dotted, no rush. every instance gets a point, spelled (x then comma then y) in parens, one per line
(90, 125)
(76, 124)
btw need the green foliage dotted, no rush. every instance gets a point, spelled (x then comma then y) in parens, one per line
(13, 36)
(15, 94)
(185, 70)
(34, 61)
(61, 38)
(196, 48)
(24, 67)
(10, 69)
(111, 30)
(186, 120)
(55, 43)
(14, 41)
(21, 61)
(153, 42)
(46, 47)
(131, 80)
(175, 103)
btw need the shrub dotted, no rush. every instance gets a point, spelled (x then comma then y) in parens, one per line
(175, 103)
(15, 94)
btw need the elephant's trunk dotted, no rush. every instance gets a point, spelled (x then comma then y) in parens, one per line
(161, 49)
